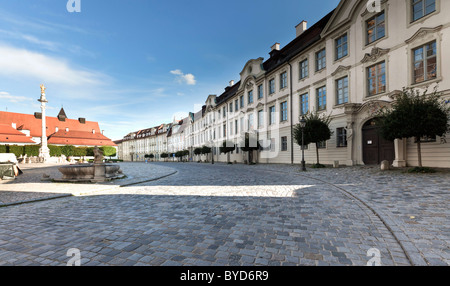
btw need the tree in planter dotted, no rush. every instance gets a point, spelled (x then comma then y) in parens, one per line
(186, 153)
(227, 148)
(164, 156)
(249, 145)
(206, 150)
(317, 129)
(198, 151)
(415, 115)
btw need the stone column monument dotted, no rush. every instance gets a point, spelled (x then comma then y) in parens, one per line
(44, 152)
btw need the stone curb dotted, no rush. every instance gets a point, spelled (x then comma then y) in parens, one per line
(36, 200)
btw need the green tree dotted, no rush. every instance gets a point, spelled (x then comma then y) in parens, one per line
(227, 148)
(317, 129)
(108, 151)
(206, 151)
(415, 115)
(55, 151)
(164, 156)
(68, 150)
(249, 145)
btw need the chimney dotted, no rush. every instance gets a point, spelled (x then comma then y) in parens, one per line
(300, 28)
(82, 120)
(38, 115)
(276, 47)
(231, 83)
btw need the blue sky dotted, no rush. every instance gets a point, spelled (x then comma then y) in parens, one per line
(135, 64)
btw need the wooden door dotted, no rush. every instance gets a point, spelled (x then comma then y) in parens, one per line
(375, 148)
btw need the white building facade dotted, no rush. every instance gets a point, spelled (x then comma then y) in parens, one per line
(348, 65)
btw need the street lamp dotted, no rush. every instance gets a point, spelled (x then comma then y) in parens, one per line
(302, 126)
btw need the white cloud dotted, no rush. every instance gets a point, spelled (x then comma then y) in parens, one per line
(189, 79)
(25, 63)
(14, 99)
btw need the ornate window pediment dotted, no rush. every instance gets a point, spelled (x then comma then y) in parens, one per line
(374, 55)
(341, 69)
(422, 32)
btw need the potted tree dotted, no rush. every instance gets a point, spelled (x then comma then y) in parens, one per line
(316, 130)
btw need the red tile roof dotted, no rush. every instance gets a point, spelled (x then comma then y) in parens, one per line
(79, 134)
(10, 135)
(79, 138)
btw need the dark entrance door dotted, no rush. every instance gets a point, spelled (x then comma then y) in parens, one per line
(375, 148)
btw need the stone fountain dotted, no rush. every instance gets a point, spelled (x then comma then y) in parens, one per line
(97, 172)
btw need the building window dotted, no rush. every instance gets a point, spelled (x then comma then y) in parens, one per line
(241, 101)
(250, 122)
(322, 145)
(426, 139)
(421, 8)
(250, 97)
(341, 140)
(376, 28)
(260, 119)
(284, 111)
(321, 60)
(236, 126)
(242, 124)
(283, 80)
(224, 110)
(304, 104)
(272, 115)
(271, 86)
(303, 69)
(342, 90)
(341, 47)
(260, 92)
(284, 143)
(236, 105)
(231, 128)
(224, 130)
(322, 98)
(425, 63)
(376, 78)
(231, 107)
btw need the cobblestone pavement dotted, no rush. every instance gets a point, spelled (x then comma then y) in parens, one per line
(238, 215)
(31, 185)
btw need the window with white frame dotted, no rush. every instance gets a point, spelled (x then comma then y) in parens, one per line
(271, 86)
(284, 111)
(321, 60)
(341, 47)
(250, 97)
(425, 62)
(304, 71)
(260, 118)
(272, 115)
(241, 101)
(304, 104)
(321, 98)
(283, 80)
(342, 90)
(341, 137)
(260, 91)
(375, 28)
(376, 79)
(250, 122)
(421, 8)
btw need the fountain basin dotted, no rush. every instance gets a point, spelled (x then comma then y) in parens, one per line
(90, 173)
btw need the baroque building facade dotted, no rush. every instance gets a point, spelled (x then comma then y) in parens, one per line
(347, 65)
